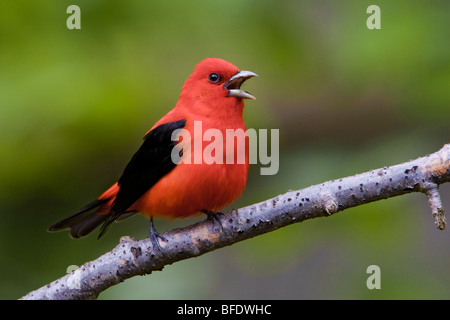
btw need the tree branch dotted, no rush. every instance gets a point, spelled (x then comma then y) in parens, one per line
(137, 257)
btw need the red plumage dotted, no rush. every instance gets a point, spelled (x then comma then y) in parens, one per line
(211, 95)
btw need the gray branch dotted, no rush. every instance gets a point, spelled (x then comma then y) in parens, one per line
(138, 257)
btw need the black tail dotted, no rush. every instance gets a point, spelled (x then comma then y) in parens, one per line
(84, 221)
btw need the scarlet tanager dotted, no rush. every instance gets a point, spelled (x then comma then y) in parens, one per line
(153, 184)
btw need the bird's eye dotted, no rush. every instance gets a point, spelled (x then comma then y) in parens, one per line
(213, 78)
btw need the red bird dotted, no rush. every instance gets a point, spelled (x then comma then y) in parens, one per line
(153, 184)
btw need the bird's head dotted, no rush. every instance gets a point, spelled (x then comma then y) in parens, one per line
(217, 82)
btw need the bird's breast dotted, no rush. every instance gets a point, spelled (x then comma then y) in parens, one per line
(212, 172)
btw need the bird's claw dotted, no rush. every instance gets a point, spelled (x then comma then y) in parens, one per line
(214, 217)
(154, 235)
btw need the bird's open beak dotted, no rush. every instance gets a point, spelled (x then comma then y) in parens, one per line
(234, 85)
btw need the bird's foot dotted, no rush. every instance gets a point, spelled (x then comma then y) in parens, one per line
(155, 236)
(214, 217)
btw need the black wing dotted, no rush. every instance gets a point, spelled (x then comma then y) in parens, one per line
(149, 164)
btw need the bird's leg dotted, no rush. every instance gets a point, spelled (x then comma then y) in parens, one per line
(214, 217)
(154, 235)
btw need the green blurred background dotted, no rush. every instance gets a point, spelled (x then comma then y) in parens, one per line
(75, 104)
